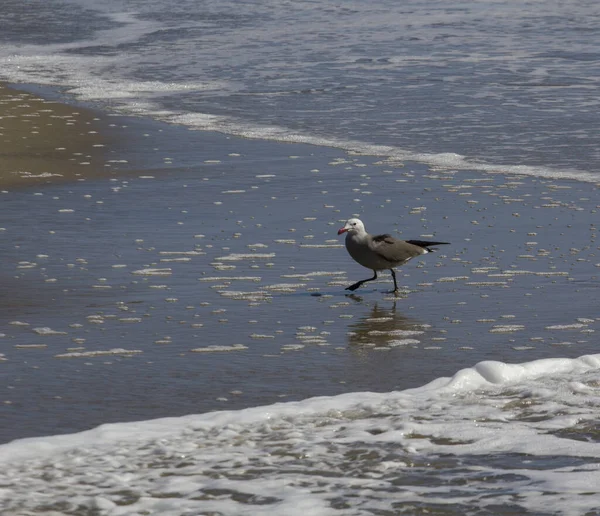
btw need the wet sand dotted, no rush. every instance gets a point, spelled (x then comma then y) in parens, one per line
(152, 271)
(44, 141)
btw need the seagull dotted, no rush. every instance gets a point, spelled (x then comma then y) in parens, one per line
(380, 252)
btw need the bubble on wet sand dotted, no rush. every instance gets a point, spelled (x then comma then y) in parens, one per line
(292, 347)
(483, 270)
(284, 287)
(487, 283)
(88, 354)
(252, 296)
(452, 279)
(574, 326)
(182, 253)
(314, 274)
(216, 349)
(48, 331)
(552, 273)
(26, 265)
(246, 256)
(506, 328)
(307, 328)
(322, 246)
(313, 339)
(396, 333)
(230, 278)
(222, 267)
(153, 272)
(403, 342)
(181, 259)
(95, 286)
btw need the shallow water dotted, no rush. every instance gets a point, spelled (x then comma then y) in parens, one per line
(184, 289)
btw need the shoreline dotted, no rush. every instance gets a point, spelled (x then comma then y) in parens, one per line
(435, 163)
(51, 138)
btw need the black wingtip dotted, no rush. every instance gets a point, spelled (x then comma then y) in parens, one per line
(426, 244)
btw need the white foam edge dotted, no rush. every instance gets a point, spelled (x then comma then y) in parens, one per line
(71, 72)
(441, 161)
(125, 99)
(486, 375)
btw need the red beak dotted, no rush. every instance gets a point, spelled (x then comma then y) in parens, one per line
(342, 230)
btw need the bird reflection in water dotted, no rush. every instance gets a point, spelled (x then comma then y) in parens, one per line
(384, 327)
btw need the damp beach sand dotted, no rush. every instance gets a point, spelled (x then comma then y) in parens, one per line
(45, 141)
(153, 271)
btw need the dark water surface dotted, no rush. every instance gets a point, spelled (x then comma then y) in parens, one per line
(208, 241)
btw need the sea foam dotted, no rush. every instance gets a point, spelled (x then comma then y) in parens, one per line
(494, 433)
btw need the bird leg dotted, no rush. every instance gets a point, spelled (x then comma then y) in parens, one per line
(395, 284)
(359, 283)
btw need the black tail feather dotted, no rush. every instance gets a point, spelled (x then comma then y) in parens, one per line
(426, 244)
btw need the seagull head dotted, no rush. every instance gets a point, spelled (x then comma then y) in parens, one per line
(352, 226)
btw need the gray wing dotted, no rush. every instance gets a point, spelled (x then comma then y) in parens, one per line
(394, 250)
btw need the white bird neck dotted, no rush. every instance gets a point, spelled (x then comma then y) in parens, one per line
(358, 234)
